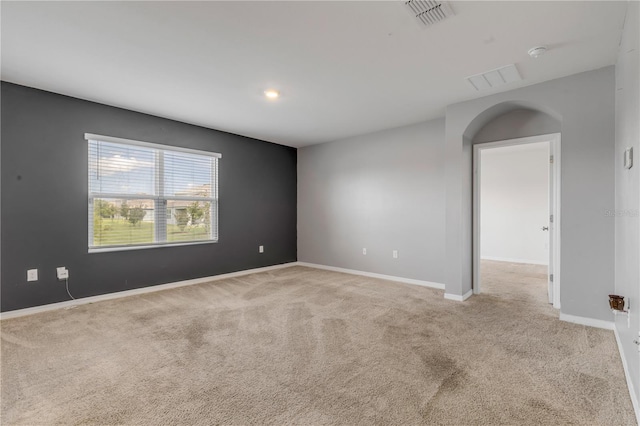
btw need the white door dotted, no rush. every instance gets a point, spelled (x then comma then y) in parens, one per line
(554, 222)
(549, 229)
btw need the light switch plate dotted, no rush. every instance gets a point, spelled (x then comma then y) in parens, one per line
(32, 275)
(628, 158)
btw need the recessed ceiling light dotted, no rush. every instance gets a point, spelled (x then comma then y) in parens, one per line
(534, 52)
(271, 94)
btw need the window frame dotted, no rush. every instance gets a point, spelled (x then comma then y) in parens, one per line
(159, 198)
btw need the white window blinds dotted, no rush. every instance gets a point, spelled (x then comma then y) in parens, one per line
(143, 194)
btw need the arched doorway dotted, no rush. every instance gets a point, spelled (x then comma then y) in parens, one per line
(512, 128)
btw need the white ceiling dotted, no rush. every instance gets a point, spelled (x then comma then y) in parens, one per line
(343, 68)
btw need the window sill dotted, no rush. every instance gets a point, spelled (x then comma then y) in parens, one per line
(149, 246)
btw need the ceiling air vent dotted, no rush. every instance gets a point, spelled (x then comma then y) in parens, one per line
(428, 12)
(494, 78)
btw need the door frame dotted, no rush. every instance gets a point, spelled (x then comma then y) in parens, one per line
(554, 198)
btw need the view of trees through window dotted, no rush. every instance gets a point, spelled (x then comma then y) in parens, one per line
(117, 221)
(142, 195)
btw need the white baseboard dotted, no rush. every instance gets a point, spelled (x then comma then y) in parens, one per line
(374, 275)
(457, 297)
(136, 291)
(607, 325)
(632, 393)
(511, 260)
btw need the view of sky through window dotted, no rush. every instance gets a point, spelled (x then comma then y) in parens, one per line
(123, 169)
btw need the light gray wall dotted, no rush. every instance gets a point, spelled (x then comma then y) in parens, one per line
(584, 105)
(383, 191)
(514, 203)
(519, 123)
(627, 184)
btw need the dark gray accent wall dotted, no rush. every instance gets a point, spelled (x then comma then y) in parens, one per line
(44, 215)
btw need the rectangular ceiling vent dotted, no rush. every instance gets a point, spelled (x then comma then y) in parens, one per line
(429, 12)
(494, 78)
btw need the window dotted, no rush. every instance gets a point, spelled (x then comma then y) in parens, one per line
(143, 194)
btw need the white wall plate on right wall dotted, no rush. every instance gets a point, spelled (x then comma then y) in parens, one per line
(628, 158)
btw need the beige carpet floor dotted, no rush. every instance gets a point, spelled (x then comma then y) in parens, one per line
(310, 347)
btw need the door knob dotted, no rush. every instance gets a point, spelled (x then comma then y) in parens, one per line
(545, 228)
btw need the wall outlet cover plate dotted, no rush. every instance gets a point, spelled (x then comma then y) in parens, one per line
(62, 273)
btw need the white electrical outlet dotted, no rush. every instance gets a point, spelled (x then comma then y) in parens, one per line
(261, 249)
(32, 275)
(62, 272)
(395, 254)
(364, 251)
